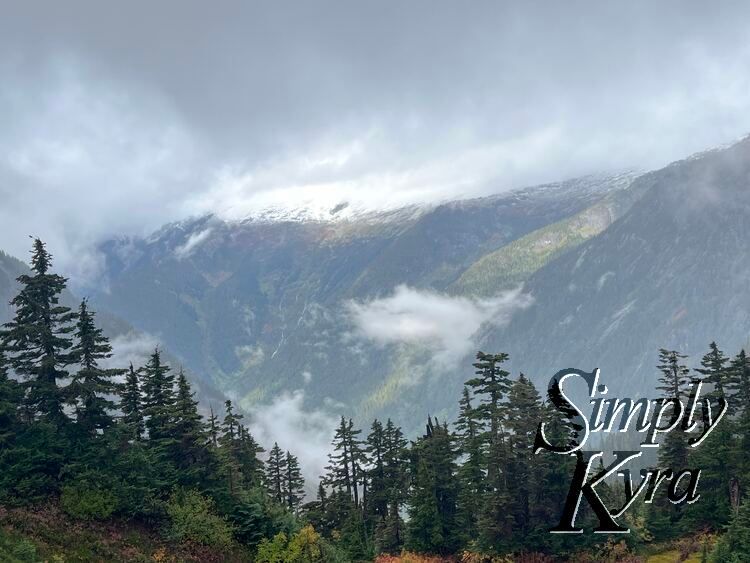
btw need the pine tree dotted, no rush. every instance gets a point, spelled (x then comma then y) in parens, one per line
(674, 378)
(294, 484)
(189, 434)
(470, 441)
(275, 472)
(524, 414)
(432, 504)
(664, 517)
(345, 462)
(213, 429)
(490, 386)
(229, 442)
(158, 390)
(389, 530)
(131, 404)
(91, 386)
(10, 399)
(37, 342)
(377, 502)
(715, 371)
(248, 458)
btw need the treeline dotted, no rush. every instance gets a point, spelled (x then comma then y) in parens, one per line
(130, 443)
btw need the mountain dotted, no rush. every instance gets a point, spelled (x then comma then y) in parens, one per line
(674, 272)
(263, 306)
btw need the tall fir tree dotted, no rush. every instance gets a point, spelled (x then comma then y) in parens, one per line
(92, 386)
(294, 484)
(158, 399)
(471, 473)
(432, 504)
(490, 386)
(38, 340)
(131, 404)
(275, 472)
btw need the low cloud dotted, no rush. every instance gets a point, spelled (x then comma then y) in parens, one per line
(445, 324)
(193, 241)
(133, 347)
(306, 433)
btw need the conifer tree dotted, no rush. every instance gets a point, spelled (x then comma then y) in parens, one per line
(213, 428)
(345, 462)
(10, 399)
(37, 342)
(432, 505)
(229, 442)
(524, 414)
(377, 502)
(91, 386)
(158, 390)
(275, 472)
(664, 517)
(188, 433)
(470, 442)
(294, 484)
(490, 386)
(248, 460)
(715, 371)
(131, 404)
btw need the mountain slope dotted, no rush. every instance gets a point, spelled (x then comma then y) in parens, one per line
(260, 306)
(672, 272)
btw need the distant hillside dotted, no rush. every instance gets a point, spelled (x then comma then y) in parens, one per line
(674, 271)
(261, 306)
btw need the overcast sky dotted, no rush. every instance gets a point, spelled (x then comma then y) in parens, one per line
(119, 117)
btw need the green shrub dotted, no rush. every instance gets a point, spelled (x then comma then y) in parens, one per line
(24, 550)
(86, 502)
(193, 518)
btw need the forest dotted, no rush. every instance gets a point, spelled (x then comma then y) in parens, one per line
(128, 446)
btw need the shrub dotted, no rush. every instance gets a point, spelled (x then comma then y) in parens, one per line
(193, 518)
(87, 503)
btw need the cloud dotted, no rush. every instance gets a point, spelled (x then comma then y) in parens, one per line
(306, 433)
(445, 324)
(132, 347)
(107, 133)
(193, 241)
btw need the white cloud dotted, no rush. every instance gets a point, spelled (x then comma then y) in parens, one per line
(193, 241)
(445, 324)
(306, 433)
(133, 347)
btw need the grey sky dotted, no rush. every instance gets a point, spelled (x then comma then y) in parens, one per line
(116, 119)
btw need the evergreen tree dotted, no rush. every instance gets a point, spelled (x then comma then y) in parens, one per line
(158, 390)
(91, 386)
(10, 399)
(490, 386)
(432, 504)
(294, 484)
(37, 342)
(131, 404)
(248, 458)
(664, 517)
(229, 442)
(345, 462)
(190, 452)
(377, 500)
(524, 414)
(213, 429)
(715, 371)
(471, 446)
(275, 472)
